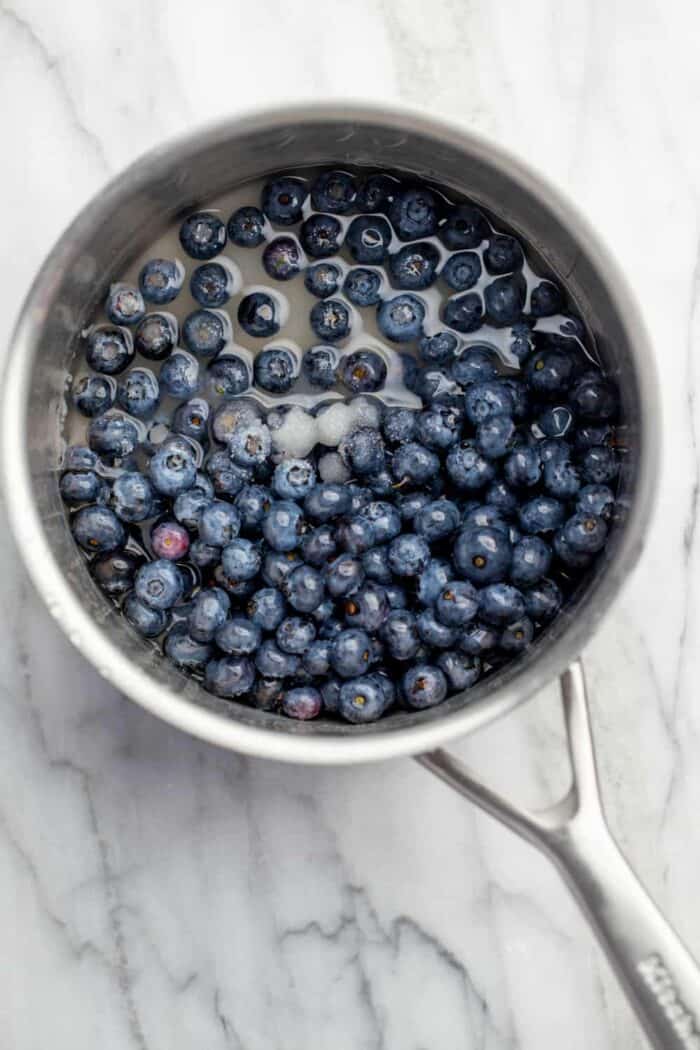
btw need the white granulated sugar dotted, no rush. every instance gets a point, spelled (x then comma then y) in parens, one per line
(333, 424)
(332, 469)
(297, 434)
(366, 413)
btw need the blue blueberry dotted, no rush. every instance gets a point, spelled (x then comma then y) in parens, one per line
(572, 559)
(160, 280)
(278, 565)
(594, 398)
(465, 227)
(362, 699)
(593, 434)
(316, 658)
(330, 320)
(599, 465)
(295, 634)
(258, 315)
(211, 285)
(485, 400)
(362, 372)
(504, 299)
(147, 621)
(327, 501)
(302, 702)
(401, 319)
(501, 604)
(246, 227)
(399, 633)
(252, 504)
(208, 612)
(555, 421)
(330, 627)
(188, 506)
(203, 555)
(423, 686)
(283, 199)
(356, 535)
(360, 496)
(344, 575)
(97, 529)
(159, 584)
(549, 372)
(229, 677)
(543, 601)
(381, 483)
(132, 497)
(238, 636)
(226, 476)
(396, 596)
(362, 286)
(322, 279)
(482, 554)
(554, 449)
(366, 607)
(250, 444)
(266, 608)
(542, 514)
(413, 213)
(561, 479)
(385, 519)
(283, 525)
(468, 468)
(414, 267)
(376, 192)
(205, 332)
(368, 239)
(319, 364)
(585, 533)
(275, 370)
(172, 468)
(375, 563)
(156, 336)
(408, 555)
(477, 639)
(399, 425)
(484, 515)
(93, 394)
(179, 375)
(476, 364)
(321, 236)
(124, 305)
(517, 636)
(437, 520)
(439, 426)
(219, 523)
(202, 235)
(138, 392)
(461, 670)
(498, 495)
(267, 693)
(462, 271)
(432, 580)
(351, 652)
(457, 603)
(241, 559)
(81, 486)
(363, 451)
(191, 419)
(503, 254)
(531, 560)
(229, 416)
(523, 467)
(495, 437)
(184, 650)
(79, 457)
(521, 342)
(113, 435)
(282, 259)
(334, 191)
(415, 464)
(546, 299)
(438, 349)
(109, 349)
(464, 313)
(597, 500)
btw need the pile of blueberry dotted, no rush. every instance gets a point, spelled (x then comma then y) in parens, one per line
(395, 563)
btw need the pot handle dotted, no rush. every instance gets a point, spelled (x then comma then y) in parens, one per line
(656, 971)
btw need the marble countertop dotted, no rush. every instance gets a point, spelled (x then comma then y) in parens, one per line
(159, 894)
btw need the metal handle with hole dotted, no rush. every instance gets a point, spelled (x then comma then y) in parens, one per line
(657, 972)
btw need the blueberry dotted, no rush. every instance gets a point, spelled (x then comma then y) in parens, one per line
(79, 457)
(477, 639)
(521, 343)
(238, 636)
(414, 267)
(432, 580)
(334, 191)
(327, 501)
(319, 365)
(415, 464)
(571, 558)
(188, 506)
(599, 465)
(321, 235)
(258, 315)
(278, 565)
(381, 483)
(543, 601)
(368, 239)
(266, 608)
(229, 416)
(138, 392)
(282, 259)
(344, 575)
(399, 425)
(413, 213)
(132, 497)
(517, 636)
(283, 199)
(219, 524)
(156, 336)
(295, 634)
(531, 560)
(316, 658)
(464, 312)
(160, 280)
(401, 319)
(283, 525)
(396, 596)
(203, 555)
(585, 533)
(351, 652)
(423, 686)
(170, 540)
(554, 449)
(362, 699)
(504, 299)
(202, 235)
(408, 555)
(597, 500)
(440, 426)
(465, 227)
(362, 372)
(252, 504)
(561, 479)
(191, 420)
(498, 495)
(482, 554)
(549, 372)
(124, 305)
(366, 607)
(376, 193)
(302, 702)
(275, 370)
(246, 227)
(147, 621)
(109, 349)
(207, 614)
(555, 421)
(385, 519)
(205, 332)
(360, 496)
(546, 299)
(113, 435)
(399, 633)
(484, 515)
(229, 677)
(363, 451)
(503, 254)
(114, 572)
(267, 693)
(81, 486)
(457, 603)
(460, 669)
(462, 271)
(523, 467)
(495, 436)
(362, 286)
(322, 279)
(330, 320)
(179, 375)
(476, 364)
(330, 627)
(542, 514)
(172, 468)
(375, 563)
(356, 535)
(241, 559)
(501, 604)
(485, 400)
(594, 398)
(250, 444)
(226, 476)
(93, 394)
(467, 468)
(439, 348)
(437, 520)
(159, 584)
(593, 434)
(211, 285)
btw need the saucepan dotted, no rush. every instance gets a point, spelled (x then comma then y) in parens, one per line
(656, 971)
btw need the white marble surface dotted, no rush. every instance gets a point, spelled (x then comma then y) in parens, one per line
(158, 894)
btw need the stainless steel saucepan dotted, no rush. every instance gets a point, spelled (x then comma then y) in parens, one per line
(657, 973)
